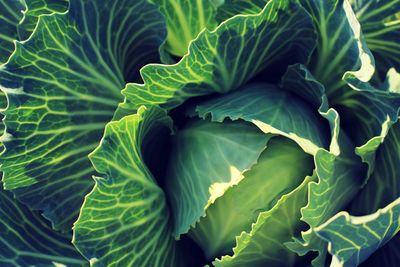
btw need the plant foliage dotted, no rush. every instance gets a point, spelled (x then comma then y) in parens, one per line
(200, 133)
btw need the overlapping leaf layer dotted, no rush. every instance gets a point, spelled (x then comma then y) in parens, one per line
(269, 136)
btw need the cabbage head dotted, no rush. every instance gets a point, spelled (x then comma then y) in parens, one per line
(176, 133)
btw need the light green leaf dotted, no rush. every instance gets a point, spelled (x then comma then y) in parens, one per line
(352, 239)
(125, 220)
(185, 20)
(27, 239)
(263, 245)
(206, 159)
(18, 18)
(63, 85)
(279, 170)
(231, 8)
(226, 58)
(380, 22)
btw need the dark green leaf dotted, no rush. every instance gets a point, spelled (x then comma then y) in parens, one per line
(125, 219)
(27, 239)
(63, 85)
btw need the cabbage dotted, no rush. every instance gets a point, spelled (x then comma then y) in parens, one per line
(219, 133)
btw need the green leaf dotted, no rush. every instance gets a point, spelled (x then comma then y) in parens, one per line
(272, 110)
(63, 85)
(373, 112)
(352, 239)
(185, 20)
(339, 171)
(380, 22)
(231, 8)
(263, 245)
(383, 185)
(226, 58)
(13, 17)
(125, 221)
(341, 49)
(26, 239)
(35, 8)
(231, 148)
(18, 18)
(10, 15)
(279, 170)
(342, 52)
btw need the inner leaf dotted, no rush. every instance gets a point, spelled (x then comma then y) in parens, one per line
(206, 159)
(280, 169)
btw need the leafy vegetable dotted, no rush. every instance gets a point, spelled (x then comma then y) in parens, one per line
(27, 239)
(62, 87)
(269, 135)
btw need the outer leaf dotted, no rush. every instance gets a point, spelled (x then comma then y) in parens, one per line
(341, 50)
(383, 186)
(185, 20)
(62, 86)
(18, 18)
(124, 220)
(224, 59)
(376, 120)
(352, 239)
(231, 8)
(10, 16)
(26, 239)
(35, 8)
(372, 111)
(339, 171)
(380, 21)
